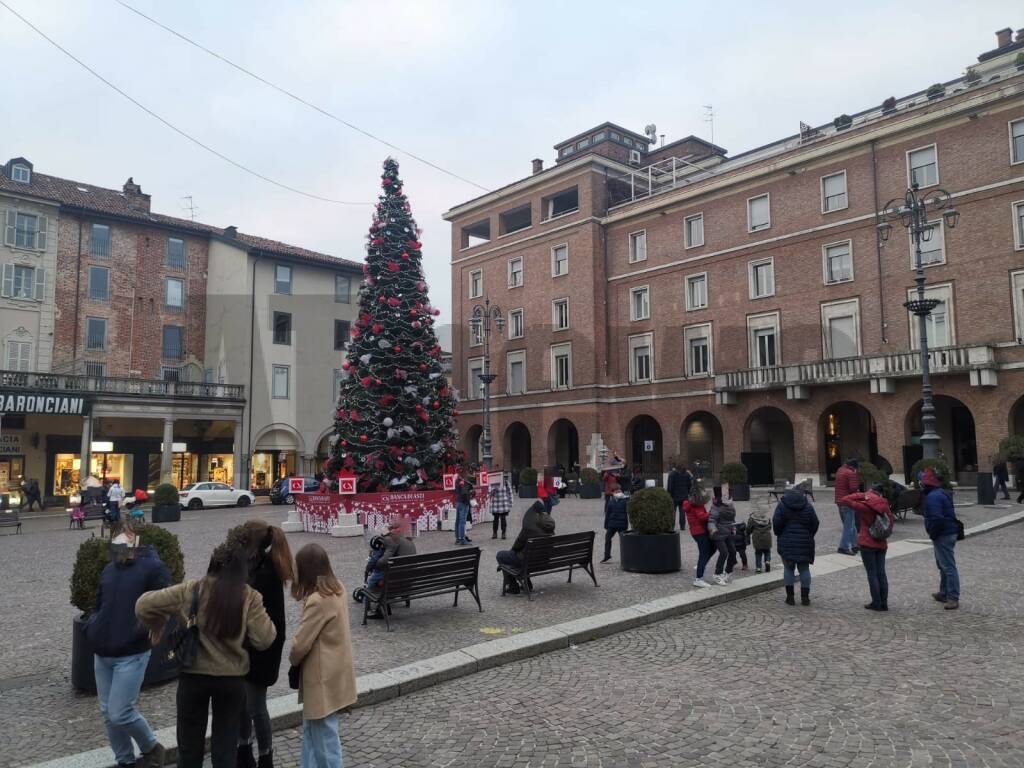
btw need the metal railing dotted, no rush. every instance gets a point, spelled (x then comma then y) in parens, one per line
(653, 179)
(109, 385)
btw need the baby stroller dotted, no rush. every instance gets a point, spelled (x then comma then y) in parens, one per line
(376, 550)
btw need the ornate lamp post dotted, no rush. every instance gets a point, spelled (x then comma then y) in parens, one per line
(484, 318)
(912, 212)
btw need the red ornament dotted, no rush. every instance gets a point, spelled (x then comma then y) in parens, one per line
(363, 438)
(354, 415)
(421, 286)
(393, 302)
(377, 328)
(416, 324)
(435, 405)
(346, 365)
(381, 299)
(377, 241)
(423, 366)
(436, 312)
(396, 348)
(386, 182)
(393, 266)
(405, 256)
(365, 381)
(425, 416)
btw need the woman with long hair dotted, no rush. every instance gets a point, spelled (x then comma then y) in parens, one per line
(231, 618)
(270, 567)
(695, 509)
(322, 649)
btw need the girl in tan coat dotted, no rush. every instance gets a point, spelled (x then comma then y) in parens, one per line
(323, 649)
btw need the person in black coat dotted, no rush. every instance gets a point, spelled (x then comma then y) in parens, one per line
(679, 485)
(1019, 471)
(270, 568)
(1000, 476)
(795, 522)
(615, 519)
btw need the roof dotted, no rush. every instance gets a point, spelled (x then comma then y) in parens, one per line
(77, 195)
(609, 126)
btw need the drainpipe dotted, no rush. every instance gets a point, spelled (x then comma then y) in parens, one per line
(878, 244)
(252, 351)
(78, 293)
(604, 247)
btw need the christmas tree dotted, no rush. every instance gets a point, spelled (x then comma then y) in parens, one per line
(393, 424)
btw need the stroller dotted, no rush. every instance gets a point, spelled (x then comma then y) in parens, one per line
(376, 550)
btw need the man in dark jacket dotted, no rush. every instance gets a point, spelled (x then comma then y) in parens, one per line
(615, 519)
(679, 485)
(1018, 470)
(463, 499)
(847, 483)
(940, 524)
(1000, 476)
(795, 522)
(536, 523)
(122, 648)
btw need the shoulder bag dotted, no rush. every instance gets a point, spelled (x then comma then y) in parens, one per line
(185, 639)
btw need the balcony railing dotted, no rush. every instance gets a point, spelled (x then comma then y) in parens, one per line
(109, 385)
(961, 359)
(653, 179)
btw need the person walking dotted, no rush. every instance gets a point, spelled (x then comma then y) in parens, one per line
(231, 621)
(697, 518)
(121, 647)
(941, 525)
(795, 522)
(463, 497)
(679, 484)
(270, 569)
(759, 529)
(847, 482)
(722, 527)
(115, 498)
(610, 482)
(740, 540)
(1000, 476)
(616, 520)
(1018, 470)
(322, 650)
(35, 496)
(869, 506)
(501, 505)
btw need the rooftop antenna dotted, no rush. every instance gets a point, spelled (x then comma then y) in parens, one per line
(189, 206)
(709, 117)
(652, 133)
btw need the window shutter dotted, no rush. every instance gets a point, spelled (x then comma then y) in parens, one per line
(41, 234)
(12, 219)
(12, 357)
(26, 353)
(40, 285)
(8, 285)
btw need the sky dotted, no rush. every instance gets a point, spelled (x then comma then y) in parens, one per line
(478, 87)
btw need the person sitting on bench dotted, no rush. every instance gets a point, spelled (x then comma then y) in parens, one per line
(397, 543)
(536, 523)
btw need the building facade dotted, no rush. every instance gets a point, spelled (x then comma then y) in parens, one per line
(672, 301)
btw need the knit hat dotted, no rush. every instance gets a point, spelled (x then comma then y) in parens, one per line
(929, 479)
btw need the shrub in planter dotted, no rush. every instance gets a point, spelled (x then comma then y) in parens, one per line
(528, 483)
(939, 466)
(652, 543)
(843, 121)
(935, 90)
(166, 504)
(1012, 448)
(590, 483)
(651, 511)
(734, 475)
(871, 475)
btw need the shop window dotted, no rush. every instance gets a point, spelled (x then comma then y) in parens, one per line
(66, 474)
(220, 468)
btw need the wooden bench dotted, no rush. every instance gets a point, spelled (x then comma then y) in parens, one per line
(10, 518)
(908, 500)
(436, 573)
(92, 512)
(552, 554)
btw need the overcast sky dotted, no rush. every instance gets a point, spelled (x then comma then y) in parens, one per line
(478, 87)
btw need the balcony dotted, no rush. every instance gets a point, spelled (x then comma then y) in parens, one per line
(108, 385)
(653, 179)
(879, 370)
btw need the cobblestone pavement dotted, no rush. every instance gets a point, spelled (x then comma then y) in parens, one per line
(748, 684)
(43, 717)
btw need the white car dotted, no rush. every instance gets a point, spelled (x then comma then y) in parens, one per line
(199, 495)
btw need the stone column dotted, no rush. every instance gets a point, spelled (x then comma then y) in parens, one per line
(86, 452)
(239, 460)
(167, 457)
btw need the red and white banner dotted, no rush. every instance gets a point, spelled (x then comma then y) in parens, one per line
(425, 509)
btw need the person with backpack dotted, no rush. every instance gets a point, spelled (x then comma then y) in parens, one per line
(795, 522)
(759, 529)
(874, 523)
(943, 529)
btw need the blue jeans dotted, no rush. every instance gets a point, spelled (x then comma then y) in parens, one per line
(878, 582)
(461, 513)
(118, 680)
(321, 745)
(762, 556)
(788, 566)
(704, 550)
(945, 559)
(848, 539)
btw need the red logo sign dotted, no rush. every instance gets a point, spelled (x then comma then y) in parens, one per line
(296, 485)
(346, 485)
(482, 478)
(449, 482)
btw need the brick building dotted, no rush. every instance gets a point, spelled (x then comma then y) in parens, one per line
(676, 301)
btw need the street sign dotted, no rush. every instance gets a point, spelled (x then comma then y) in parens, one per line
(556, 482)
(648, 446)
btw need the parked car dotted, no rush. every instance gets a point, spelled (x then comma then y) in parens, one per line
(279, 491)
(199, 495)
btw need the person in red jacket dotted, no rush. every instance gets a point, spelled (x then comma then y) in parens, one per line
(847, 482)
(868, 506)
(697, 519)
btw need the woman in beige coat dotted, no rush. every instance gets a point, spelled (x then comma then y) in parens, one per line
(323, 649)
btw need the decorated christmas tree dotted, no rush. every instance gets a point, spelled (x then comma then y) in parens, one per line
(393, 424)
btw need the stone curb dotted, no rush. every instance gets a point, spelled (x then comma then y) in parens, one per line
(376, 687)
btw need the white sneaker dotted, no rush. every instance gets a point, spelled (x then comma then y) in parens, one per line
(728, 578)
(700, 583)
(720, 581)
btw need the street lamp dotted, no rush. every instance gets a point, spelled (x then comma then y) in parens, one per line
(480, 324)
(912, 213)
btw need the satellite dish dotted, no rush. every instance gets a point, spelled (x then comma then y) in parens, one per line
(652, 133)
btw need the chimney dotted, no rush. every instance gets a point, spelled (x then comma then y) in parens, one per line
(133, 194)
(538, 165)
(231, 232)
(1004, 37)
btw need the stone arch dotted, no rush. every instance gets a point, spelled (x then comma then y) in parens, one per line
(701, 444)
(1017, 417)
(846, 429)
(769, 448)
(644, 431)
(563, 444)
(279, 436)
(471, 443)
(958, 439)
(517, 447)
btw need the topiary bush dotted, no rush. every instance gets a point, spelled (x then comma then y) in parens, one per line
(935, 89)
(939, 466)
(590, 476)
(870, 475)
(165, 495)
(528, 476)
(733, 473)
(651, 511)
(1012, 448)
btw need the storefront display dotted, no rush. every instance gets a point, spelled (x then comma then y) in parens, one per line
(66, 474)
(270, 466)
(220, 468)
(184, 468)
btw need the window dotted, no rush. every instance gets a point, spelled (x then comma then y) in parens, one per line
(340, 376)
(641, 358)
(833, 192)
(697, 291)
(342, 289)
(640, 303)
(21, 282)
(283, 329)
(561, 203)
(840, 329)
(173, 342)
(515, 324)
(99, 241)
(923, 166)
(174, 293)
(21, 174)
(762, 278)
(476, 284)
(559, 260)
(476, 334)
(515, 272)
(941, 330)
(515, 372)
(838, 263)
(694, 227)
(282, 278)
(476, 234)
(638, 246)
(475, 387)
(759, 213)
(95, 369)
(95, 334)
(175, 253)
(697, 348)
(279, 382)
(26, 231)
(342, 334)
(560, 314)
(515, 220)
(170, 373)
(1017, 283)
(763, 332)
(561, 366)
(599, 136)
(933, 246)
(99, 283)
(1018, 222)
(1017, 141)
(582, 143)
(19, 355)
